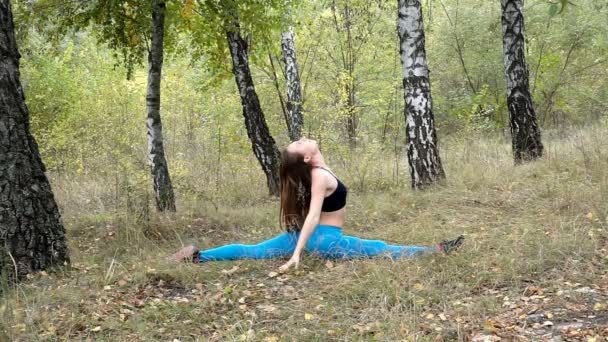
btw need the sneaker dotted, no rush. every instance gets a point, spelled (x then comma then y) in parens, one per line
(186, 254)
(449, 246)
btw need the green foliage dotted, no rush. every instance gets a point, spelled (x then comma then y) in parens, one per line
(82, 115)
(207, 22)
(560, 85)
(89, 119)
(556, 8)
(123, 25)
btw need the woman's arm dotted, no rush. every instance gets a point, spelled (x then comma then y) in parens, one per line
(317, 194)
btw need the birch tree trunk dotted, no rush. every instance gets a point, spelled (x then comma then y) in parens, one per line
(32, 236)
(525, 133)
(163, 190)
(422, 147)
(294, 94)
(264, 146)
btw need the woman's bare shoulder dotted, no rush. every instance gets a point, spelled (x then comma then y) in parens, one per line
(324, 176)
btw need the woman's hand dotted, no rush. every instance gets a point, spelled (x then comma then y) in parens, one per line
(295, 260)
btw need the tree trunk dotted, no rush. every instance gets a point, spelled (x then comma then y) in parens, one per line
(422, 147)
(32, 236)
(264, 146)
(163, 190)
(294, 94)
(525, 133)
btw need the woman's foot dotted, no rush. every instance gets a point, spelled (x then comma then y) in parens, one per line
(186, 254)
(449, 246)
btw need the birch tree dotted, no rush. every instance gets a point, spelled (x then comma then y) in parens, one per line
(525, 132)
(32, 236)
(294, 93)
(132, 29)
(422, 148)
(163, 190)
(262, 142)
(231, 29)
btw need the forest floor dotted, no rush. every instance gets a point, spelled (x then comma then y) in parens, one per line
(533, 266)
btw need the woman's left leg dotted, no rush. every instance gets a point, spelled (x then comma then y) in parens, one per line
(329, 242)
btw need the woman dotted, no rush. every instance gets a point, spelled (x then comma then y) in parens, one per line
(313, 203)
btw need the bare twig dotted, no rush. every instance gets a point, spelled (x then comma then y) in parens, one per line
(458, 46)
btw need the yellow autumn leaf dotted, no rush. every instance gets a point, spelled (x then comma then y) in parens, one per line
(308, 316)
(590, 215)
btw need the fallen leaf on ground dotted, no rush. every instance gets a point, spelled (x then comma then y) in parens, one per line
(232, 270)
(267, 308)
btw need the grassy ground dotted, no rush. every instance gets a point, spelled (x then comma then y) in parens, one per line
(533, 266)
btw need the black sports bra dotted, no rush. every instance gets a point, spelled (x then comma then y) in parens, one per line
(337, 199)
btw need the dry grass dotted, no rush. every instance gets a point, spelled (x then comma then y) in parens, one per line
(542, 224)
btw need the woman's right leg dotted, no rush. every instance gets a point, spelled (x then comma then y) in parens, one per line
(352, 247)
(279, 246)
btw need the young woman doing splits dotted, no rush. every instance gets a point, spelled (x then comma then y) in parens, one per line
(313, 203)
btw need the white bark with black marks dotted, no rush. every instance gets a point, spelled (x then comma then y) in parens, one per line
(525, 132)
(422, 146)
(163, 190)
(32, 236)
(264, 146)
(294, 93)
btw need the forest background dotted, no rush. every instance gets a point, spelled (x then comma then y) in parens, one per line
(89, 120)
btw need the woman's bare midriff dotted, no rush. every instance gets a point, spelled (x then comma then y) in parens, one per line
(334, 218)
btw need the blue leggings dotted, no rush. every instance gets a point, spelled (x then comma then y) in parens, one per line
(325, 241)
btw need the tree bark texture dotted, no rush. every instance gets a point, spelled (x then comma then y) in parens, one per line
(264, 146)
(525, 132)
(422, 146)
(32, 236)
(294, 93)
(163, 190)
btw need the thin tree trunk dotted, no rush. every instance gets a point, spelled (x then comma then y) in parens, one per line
(422, 146)
(32, 236)
(549, 99)
(459, 48)
(163, 190)
(294, 94)
(264, 146)
(525, 133)
(277, 87)
(345, 77)
(352, 117)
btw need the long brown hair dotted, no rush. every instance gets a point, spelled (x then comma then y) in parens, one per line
(296, 179)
